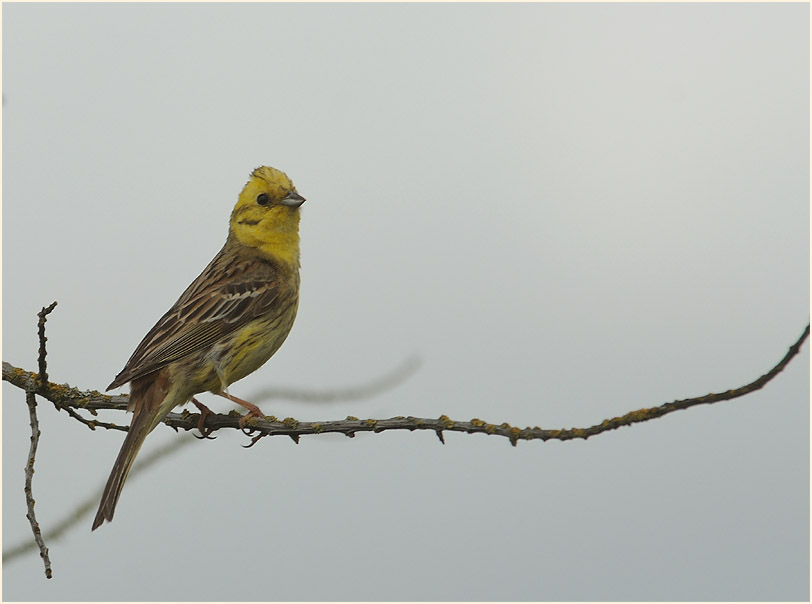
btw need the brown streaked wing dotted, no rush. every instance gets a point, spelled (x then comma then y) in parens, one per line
(229, 292)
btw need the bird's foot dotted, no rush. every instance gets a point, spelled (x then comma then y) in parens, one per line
(253, 410)
(204, 413)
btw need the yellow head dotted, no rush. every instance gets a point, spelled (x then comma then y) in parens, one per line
(266, 216)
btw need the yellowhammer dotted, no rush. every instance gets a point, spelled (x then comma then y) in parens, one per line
(227, 323)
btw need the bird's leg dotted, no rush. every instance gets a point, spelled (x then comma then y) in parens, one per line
(253, 410)
(204, 413)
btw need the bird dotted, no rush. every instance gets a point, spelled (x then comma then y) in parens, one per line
(226, 325)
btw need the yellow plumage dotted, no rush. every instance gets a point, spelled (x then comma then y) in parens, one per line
(227, 323)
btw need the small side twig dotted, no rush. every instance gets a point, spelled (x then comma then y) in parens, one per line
(42, 386)
(43, 366)
(91, 423)
(30, 399)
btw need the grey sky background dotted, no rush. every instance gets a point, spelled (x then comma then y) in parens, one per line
(566, 211)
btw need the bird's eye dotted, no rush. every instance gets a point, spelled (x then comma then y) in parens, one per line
(263, 199)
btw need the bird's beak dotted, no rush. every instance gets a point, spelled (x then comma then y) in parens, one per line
(292, 199)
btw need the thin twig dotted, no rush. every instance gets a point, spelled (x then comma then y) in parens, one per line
(41, 385)
(91, 423)
(31, 400)
(43, 373)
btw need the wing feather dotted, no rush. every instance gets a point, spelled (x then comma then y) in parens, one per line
(231, 291)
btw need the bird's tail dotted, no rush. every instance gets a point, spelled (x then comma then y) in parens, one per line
(150, 402)
(140, 427)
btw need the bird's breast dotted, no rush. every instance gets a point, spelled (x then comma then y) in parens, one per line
(250, 347)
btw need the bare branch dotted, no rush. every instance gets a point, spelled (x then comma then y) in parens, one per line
(30, 399)
(69, 398)
(271, 426)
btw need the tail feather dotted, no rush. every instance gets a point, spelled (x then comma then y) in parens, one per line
(151, 398)
(140, 427)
